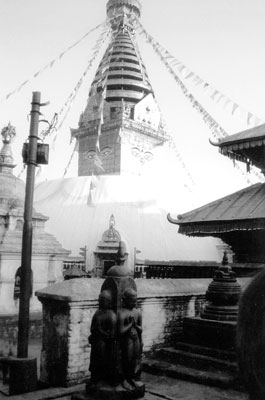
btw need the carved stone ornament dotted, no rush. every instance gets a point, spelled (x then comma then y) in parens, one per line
(6, 156)
(8, 133)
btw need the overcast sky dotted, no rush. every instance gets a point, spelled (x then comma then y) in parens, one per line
(222, 41)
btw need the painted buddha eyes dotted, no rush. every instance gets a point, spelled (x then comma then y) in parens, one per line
(136, 152)
(148, 156)
(143, 155)
(91, 154)
(105, 151)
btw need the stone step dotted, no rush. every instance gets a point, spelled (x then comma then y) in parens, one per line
(217, 378)
(193, 360)
(207, 351)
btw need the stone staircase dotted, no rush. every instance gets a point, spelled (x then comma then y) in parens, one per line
(195, 363)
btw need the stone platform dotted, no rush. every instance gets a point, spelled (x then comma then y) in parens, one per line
(205, 355)
(193, 363)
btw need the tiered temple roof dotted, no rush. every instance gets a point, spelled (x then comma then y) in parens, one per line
(247, 146)
(238, 219)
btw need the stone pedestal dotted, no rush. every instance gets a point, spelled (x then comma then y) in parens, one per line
(219, 335)
(22, 374)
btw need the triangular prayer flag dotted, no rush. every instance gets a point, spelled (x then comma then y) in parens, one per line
(257, 121)
(220, 98)
(235, 106)
(189, 75)
(181, 68)
(249, 117)
(214, 94)
(227, 102)
(199, 81)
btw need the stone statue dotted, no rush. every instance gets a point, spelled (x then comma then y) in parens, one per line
(102, 340)
(116, 337)
(130, 337)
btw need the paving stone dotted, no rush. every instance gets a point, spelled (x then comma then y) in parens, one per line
(157, 388)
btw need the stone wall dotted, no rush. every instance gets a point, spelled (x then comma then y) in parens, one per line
(68, 308)
(163, 318)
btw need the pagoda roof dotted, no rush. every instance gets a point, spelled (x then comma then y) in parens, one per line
(242, 210)
(246, 146)
(252, 135)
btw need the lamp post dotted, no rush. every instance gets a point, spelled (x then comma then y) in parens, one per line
(25, 284)
(34, 153)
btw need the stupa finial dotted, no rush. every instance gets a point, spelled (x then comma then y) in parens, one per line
(123, 13)
(6, 156)
(112, 221)
(225, 259)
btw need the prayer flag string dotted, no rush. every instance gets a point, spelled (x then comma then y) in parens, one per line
(51, 63)
(71, 158)
(69, 102)
(215, 95)
(102, 38)
(217, 131)
(171, 141)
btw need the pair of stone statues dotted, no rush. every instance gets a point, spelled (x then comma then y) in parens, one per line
(116, 342)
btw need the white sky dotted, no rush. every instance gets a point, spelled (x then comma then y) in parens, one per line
(222, 41)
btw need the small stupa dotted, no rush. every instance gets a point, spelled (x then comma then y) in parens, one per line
(47, 253)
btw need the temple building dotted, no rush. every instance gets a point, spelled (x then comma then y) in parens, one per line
(237, 219)
(125, 164)
(47, 253)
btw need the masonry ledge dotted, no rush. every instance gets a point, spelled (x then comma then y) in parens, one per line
(73, 290)
(171, 287)
(88, 289)
(176, 287)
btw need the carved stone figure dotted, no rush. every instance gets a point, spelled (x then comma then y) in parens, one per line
(130, 337)
(116, 337)
(102, 339)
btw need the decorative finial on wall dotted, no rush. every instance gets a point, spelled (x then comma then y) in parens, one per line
(8, 133)
(6, 157)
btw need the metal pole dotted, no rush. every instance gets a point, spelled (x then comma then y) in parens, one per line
(25, 283)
